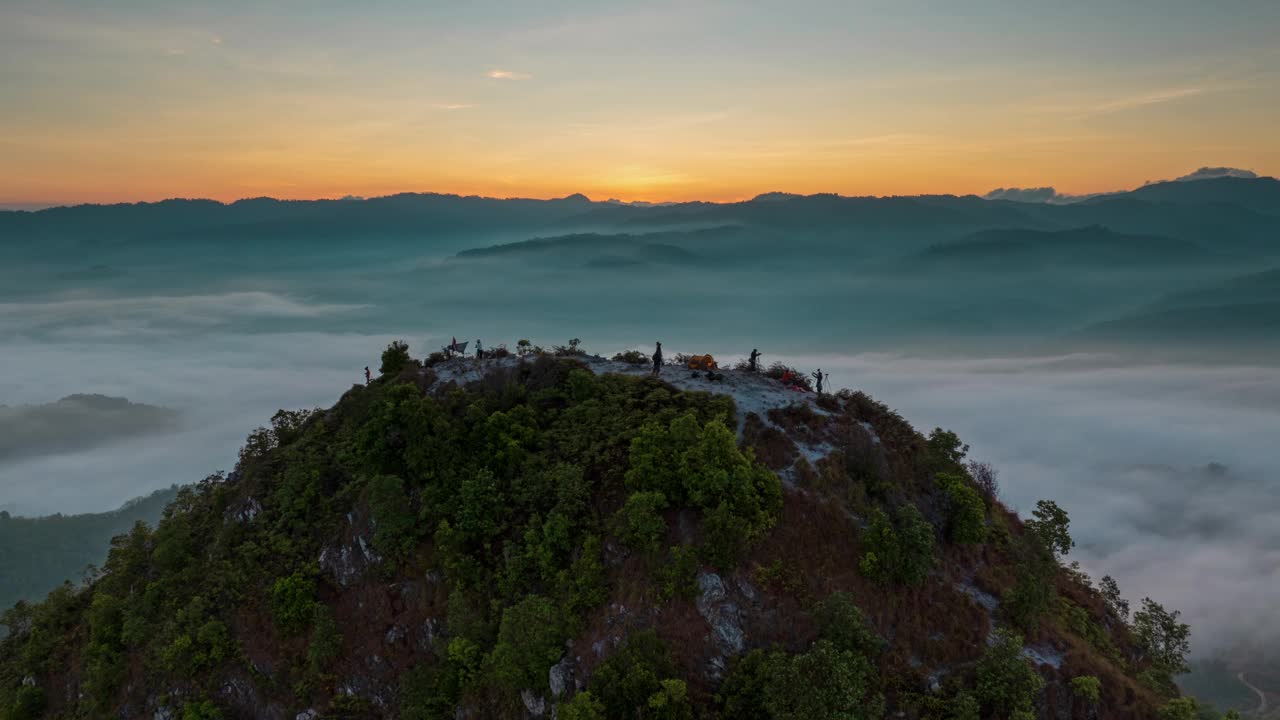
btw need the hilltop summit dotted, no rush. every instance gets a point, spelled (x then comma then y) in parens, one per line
(564, 535)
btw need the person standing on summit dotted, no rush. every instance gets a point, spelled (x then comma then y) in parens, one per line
(819, 376)
(657, 360)
(753, 364)
(479, 351)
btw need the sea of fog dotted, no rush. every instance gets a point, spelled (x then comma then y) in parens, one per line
(1166, 466)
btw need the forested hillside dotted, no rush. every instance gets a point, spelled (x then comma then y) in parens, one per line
(524, 536)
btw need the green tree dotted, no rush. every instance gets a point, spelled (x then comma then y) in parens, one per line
(1086, 687)
(900, 551)
(640, 524)
(1183, 708)
(945, 449)
(965, 707)
(530, 640)
(293, 602)
(583, 706)
(967, 513)
(1162, 640)
(1006, 681)
(824, 683)
(841, 621)
(395, 358)
(393, 516)
(1111, 594)
(1052, 526)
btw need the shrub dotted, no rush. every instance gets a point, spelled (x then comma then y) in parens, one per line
(965, 707)
(777, 371)
(632, 357)
(1086, 687)
(28, 703)
(1183, 708)
(841, 621)
(678, 576)
(293, 602)
(530, 640)
(1007, 683)
(898, 552)
(326, 638)
(640, 524)
(824, 683)
(395, 358)
(967, 514)
(583, 706)
(987, 478)
(570, 350)
(393, 516)
(625, 683)
(203, 710)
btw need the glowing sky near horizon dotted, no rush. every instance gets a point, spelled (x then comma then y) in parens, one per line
(143, 100)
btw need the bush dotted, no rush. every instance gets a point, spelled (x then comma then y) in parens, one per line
(393, 517)
(583, 706)
(530, 640)
(1086, 687)
(293, 603)
(1183, 708)
(966, 513)
(987, 478)
(640, 524)
(700, 465)
(841, 621)
(777, 371)
(824, 683)
(395, 358)
(1007, 683)
(326, 638)
(203, 710)
(945, 450)
(28, 704)
(632, 357)
(626, 682)
(570, 350)
(898, 552)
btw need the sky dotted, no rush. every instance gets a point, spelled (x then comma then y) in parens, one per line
(143, 100)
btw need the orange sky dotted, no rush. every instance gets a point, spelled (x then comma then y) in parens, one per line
(661, 102)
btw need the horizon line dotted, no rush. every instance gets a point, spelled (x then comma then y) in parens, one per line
(34, 206)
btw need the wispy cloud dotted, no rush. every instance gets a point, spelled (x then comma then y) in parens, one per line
(216, 40)
(507, 75)
(452, 106)
(1151, 98)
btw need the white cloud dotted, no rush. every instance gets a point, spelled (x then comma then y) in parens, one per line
(507, 75)
(452, 106)
(1151, 98)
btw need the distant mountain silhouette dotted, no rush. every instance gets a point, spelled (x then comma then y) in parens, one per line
(1022, 249)
(1258, 194)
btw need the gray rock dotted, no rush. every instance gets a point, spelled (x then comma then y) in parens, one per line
(308, 714)
(560, 677)
(748, 591)
(721, 614)
(395, 634)
(29, 681)
(534, 703)
(710, 591)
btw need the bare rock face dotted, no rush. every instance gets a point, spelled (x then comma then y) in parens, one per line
(534, 703)
(721, 614)
(560, 677)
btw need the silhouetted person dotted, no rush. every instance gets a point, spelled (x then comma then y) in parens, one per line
(657, 360)
(479, 352)
(368, 377)
(752, 364)
(819, 376)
